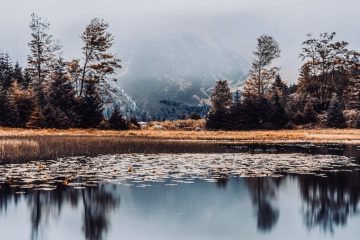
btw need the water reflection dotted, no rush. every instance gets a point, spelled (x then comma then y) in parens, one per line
(97, 204)
(209, 210)
(263, 192)
(328, 202)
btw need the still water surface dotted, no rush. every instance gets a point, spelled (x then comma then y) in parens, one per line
(211, 203)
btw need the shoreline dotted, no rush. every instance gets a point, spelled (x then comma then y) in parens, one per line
(21, 145)
(314, 136)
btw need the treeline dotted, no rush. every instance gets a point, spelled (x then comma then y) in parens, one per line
(327, 93)
(53, 93)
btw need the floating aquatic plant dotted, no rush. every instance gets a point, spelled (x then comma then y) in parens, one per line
(82, 172)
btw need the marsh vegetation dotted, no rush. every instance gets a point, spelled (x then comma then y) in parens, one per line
(25, 144)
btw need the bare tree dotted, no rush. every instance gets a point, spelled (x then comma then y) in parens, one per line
(260, 75)
(97, 62)
(328, 65)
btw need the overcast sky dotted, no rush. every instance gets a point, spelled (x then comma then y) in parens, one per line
(237, 22)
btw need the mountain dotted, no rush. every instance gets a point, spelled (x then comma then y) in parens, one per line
(178, 68)
(112, 95)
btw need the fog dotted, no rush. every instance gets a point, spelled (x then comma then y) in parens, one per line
(141, 26)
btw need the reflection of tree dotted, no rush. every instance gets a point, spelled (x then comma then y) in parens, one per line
(98, 203)
(44, 203)
(222, 181)
(262, 192)
(36, 213)
(328, 202)
(7, 194)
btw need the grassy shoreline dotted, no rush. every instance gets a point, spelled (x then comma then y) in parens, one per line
(25, 144)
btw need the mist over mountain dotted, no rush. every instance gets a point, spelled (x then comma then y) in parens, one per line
(181, 68)
(177, 49)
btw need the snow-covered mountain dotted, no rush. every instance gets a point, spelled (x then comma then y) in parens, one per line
(180, 68)
(113, 95)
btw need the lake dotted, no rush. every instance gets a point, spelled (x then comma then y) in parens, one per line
(182, 196)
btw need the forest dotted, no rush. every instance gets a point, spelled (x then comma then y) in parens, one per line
(51, 92)
(326, 95)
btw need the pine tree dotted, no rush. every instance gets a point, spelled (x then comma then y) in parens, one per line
(117, 121)
(280, 89)
(26, 80)
(6, 70)
(43, 50)
(237, 112)
(12, 111)
(309, 115)
(41, 60)
(25, 105)
(56, 118)
(236, 104)
(256, 113)
(279, 117)
(221, 99)
(335, 116)
(91, 107)
(3, 106)
(62, 102)
(353, 90)
(36, 119)
(17, 74)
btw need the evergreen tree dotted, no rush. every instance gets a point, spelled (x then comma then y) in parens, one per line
(91, 107)
(25, 105)
(292, 88)
(18, 105)
(279, 117)
(6, 70)
(54, 117)
(41, 60)
(309, 115)
(335, 116)
(353, 89)
(3, 106)
(221, 99)
(36, 119)
(237, 112)
(256, 113)
(26, 80)
(117, 121)
(280, 89)
(43, 51)
(12, 112)
(18, 74)
(62, 102)
(236, 104)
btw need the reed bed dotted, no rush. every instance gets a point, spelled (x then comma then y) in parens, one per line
(25, 144)
(22, 149)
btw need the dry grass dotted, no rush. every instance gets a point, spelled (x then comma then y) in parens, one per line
(14, 149)
(37, 147)
(24, 144)
(312, 135)
(182, 125)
